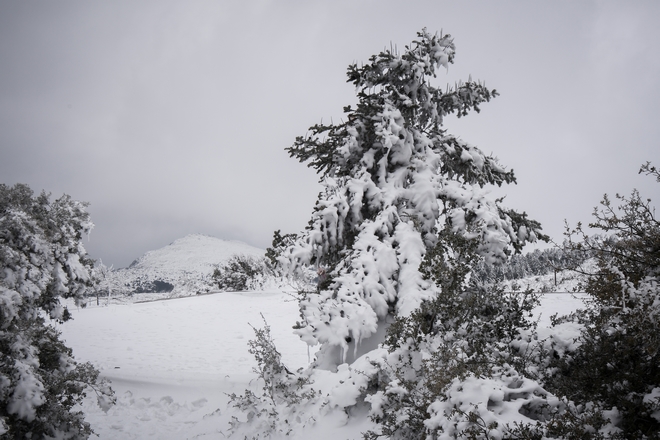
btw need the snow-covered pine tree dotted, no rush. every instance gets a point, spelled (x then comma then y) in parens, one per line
(41, 259)
(393, 179)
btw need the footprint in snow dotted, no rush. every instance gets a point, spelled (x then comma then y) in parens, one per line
(199, 402)
(167, 399)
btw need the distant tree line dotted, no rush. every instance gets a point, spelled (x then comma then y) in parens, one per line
(536, 263)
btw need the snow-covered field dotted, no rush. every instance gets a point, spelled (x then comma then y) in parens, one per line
(172, 362)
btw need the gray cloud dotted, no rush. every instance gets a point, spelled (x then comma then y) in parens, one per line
(172, 118)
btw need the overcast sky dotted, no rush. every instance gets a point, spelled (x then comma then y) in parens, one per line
(171, 117)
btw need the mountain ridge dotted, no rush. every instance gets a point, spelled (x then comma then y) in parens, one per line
(194, 250)
(181, 268)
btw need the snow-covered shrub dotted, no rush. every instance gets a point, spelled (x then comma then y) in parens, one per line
(616, 364)
(301, 281)
(240, 273)
(41, 259)
(283, 393)
(278, 246)
(462, 365)
(104, 283)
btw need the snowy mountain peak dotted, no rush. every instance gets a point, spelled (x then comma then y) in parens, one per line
(183, 267)
(194, 252)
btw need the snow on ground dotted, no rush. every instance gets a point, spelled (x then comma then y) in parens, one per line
(171, 362)
(561, 303)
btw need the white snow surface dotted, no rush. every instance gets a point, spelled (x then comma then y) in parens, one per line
(172, 361)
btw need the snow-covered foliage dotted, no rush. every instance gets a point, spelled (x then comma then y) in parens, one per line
(41, 260)
(542, 271)
(393, 179)
(401, 222)
(407, 334)
(614, 368)
(248, 273)
(282, 391)
(463, 365)
(242, 273)
(471, 362)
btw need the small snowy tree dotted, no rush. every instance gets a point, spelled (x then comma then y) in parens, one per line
(42, 259)
(281, 390)
(393, 181)
(104, 281)
(240, 273)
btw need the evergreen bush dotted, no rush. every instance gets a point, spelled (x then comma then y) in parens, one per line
(240, 273)
(42, 259)
(616, 366)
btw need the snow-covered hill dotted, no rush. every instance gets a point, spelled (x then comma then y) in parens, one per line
(193, 253)
(182, 268)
